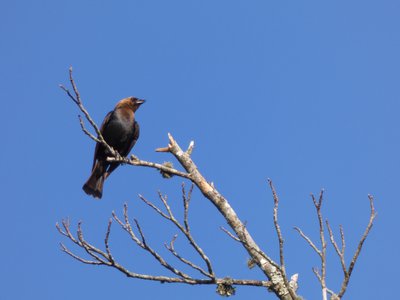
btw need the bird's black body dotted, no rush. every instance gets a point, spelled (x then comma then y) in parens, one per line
(120, 131)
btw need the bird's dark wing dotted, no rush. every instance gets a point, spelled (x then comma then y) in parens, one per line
(135, 136)
(125, 151)
(98, 145)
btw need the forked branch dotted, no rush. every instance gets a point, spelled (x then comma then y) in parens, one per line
(185, 229)
(347, 271)
(106, 258)
(340, 251)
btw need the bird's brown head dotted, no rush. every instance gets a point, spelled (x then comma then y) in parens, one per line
(130, 102)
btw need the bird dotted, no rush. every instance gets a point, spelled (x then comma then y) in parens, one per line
(121, 131)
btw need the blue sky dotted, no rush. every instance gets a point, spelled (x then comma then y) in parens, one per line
(303, 92)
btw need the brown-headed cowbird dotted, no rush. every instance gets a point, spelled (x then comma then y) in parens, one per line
(120, 131)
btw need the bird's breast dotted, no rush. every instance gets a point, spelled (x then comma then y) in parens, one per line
(119, 128)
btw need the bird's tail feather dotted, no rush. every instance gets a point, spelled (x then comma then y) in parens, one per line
(94, 185)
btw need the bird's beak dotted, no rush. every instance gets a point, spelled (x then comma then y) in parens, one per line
(140, 101)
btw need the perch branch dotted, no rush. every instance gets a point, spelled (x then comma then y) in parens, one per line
(134, 161)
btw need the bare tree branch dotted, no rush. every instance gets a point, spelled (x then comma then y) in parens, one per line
(185, 229)
(134, 161)
(359, 247)
(263, 261)
(308, 240)
(89, 262)
(280, 239)
(144, 245)
(171, 248)
(106, 243)
(83, 127)
(276, 274)
(230, 234)
(340, 251)
(186, 200)
(221, 203)
(321, 252)
(318, 206)
(111, 262)
(77, 100)
(277, 227)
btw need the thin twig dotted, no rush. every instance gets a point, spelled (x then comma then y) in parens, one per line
(308, 240)
(106, 243)
(164, 215)
(77, 100)
(83, 127)
(186, 200)
(230, 234)
(359, 247)
(276, 224)
(171, 248)
(321, 252)
(90, 249)
(166, 205)
(185, 229)
(85, 261)
(110, 261)
(144, 245)
(342, 238)
(280, 239)
(318, 206)
(340, 252)
(320, 279)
